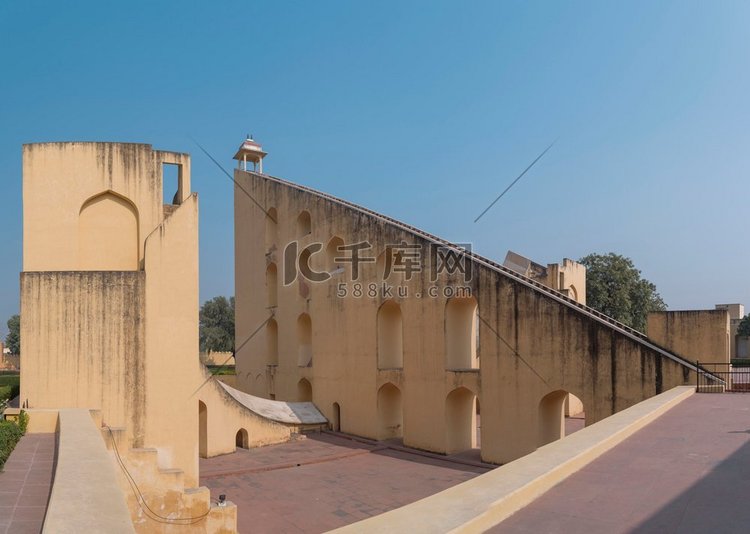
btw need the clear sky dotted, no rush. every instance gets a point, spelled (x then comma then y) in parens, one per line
(424, 111)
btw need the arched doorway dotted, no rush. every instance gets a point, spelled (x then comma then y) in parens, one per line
(390, 336)
(390, 417)
(551, 416)
(202, 430)
(575, 416)
(336, 418)
(461, 329)
(304, 391)
(241, 440)
(460, 421)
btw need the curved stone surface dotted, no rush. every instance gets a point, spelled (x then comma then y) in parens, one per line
(294, 413)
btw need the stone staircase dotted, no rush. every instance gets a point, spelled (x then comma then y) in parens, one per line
(167, 506)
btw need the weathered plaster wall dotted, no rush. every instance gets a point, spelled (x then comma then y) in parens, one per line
(696, 334)
(171, 266)
(59, 178)
(123, 342)
(529, 344)
(82, 345)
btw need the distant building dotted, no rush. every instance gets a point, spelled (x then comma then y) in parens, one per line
(569, 278)
(738, 345)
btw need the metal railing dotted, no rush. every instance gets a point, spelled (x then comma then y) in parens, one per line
(722, 378)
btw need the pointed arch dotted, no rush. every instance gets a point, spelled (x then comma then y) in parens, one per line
(241, 439)
(390, 413)
(552, 416)
(272, 342)
(304, 341)
(108, 235)
(460, 421)
(390, 336)
(304, 390)
(304, 223)
(461, 333)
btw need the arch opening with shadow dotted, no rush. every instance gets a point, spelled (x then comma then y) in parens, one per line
(304, 224)
(390, 414)
(461, 333)
(304, 341)
(336, 418)
(460, 421)
(560, 413)
(241, 439)
(390, 336)
(304, 391)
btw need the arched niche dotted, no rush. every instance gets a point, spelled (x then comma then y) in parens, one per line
(272, 342)
(304, 390)
(108, 234)
(390, 336)
(390, 416)
(460, 421)
(461, 333)
(304, 224)
(304, 341)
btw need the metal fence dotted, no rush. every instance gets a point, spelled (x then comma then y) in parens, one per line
(722, 378)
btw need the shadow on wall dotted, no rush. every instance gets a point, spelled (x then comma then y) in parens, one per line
(716, 503)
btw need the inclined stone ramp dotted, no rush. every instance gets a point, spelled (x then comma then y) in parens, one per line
(290, 413)
(635, 335)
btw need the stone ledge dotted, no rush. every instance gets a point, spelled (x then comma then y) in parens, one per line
(485, 501)
(85, 495)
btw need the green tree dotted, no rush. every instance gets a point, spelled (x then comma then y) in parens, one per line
(614, 287)
(13, 339)
(743, 329)
(217, 325)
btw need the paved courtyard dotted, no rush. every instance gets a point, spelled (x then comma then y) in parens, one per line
(25, 484)
(688, 471)
(327, 481)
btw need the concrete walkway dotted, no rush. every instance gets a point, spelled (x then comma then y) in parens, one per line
(337, 482)
(688, 471)
(25, 484)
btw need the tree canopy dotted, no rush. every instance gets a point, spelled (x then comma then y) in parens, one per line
(743, 329)
(13, 339)
(217, 325)
(614, 286)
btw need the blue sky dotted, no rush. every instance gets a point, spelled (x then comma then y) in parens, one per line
(424, 111)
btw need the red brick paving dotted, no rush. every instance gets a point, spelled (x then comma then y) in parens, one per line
(25, 484)
(688, 471)
(339, 481)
